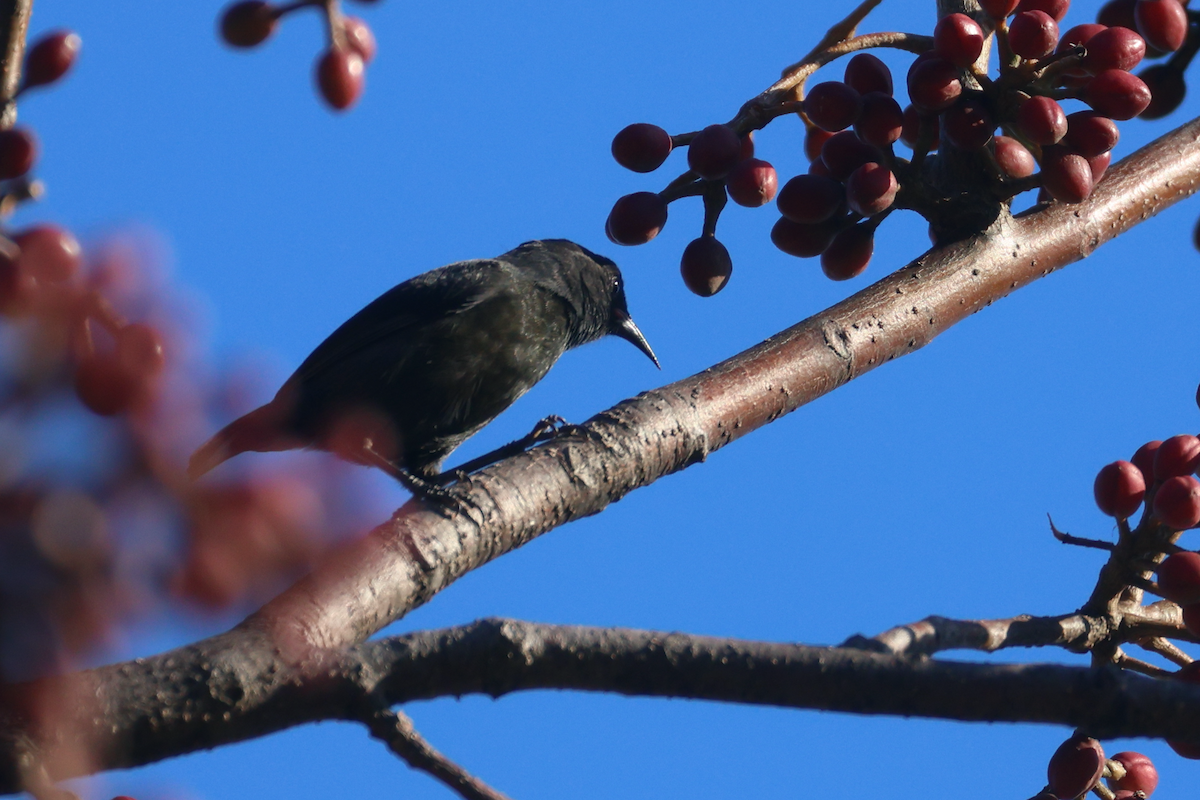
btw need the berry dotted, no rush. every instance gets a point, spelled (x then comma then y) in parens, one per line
(339, 77)
(1066, 175)
(1179, 455)
(636, 218)
(849, 252)
(1014, 158)
(752, 183)
(1117, 13)
(1179, 577)
(1091, 134)
(915, 122)
(881, 121)
(140, 350)
(967, 124)
(1075, 767)
(1032, 34)
(1140, 774)
(1114, 48)
(803, 240)
(1042, 120)
(814, 140)
(18, 151)
(705, 266)
(359, 37)
(248, 23)
(865, 73)
(641, 147)
(1164, 23)
(1078, 35)
(49, 253)
(104, 386)
(871, 189)
(1119, 489)
(998, 9)
(1177, 502)
(933, 84)
(1143, 459)
(51, 57)
(958, 39)
(845, 152)
(714, 152)
(811, 199)
(1117, 94)
(747, 147)
(1167, 89)
(1191, 617)
(1189, 674)
(18, 288)
(832, 106)
(1055, 8)
(1099, 165)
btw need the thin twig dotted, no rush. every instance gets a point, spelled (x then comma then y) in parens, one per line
(1078, 541)
(396, 731)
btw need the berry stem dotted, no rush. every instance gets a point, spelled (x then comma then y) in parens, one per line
(715, 199)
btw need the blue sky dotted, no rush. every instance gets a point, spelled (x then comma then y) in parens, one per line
(920, 489)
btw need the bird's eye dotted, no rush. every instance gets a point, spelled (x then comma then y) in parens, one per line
(616, 284)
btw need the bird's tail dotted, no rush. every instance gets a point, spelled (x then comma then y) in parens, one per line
(260, 431)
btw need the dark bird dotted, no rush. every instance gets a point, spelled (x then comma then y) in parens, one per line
(427, 364)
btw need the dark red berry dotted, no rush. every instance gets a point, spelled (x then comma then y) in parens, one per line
(967, 124)
(1117, 13)
(958, 39)
(1078, 35)
(1114, 48)
(1119, 489)
(1179, 577)
(933, 84)
(714, 152)
(705, 266)
(814, 140)
(1099, 165)
(104, 386)
(1140, 774)
(1032, 34)
(49, 253)
(1177, 502)
(845, 152)
(51, 57)
(1179, 455)
(248, 23)
(1164, 23)
(1014, 158)
(1117, 94)
(140, 350)
(1167, 89)
(1055, 8)
(849, 253)
(1066, 176)
(1042, 120)
(1189, 673)
(19, 289)
(339, 77)
(1075, 767)
(803, 240)
(1144, 458)
(636, 218)
(866, 74)
(811, 199)
(752, 183)
(359, 37)
(881, 121)
(998, 9)
(915, 123)
(18, 152)
(832, 106)
(641, 147)
(871, 189)
(1091, 134)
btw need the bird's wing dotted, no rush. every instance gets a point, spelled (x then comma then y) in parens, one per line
(434, 295)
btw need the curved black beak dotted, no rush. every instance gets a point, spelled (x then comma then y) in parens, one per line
(623, 326)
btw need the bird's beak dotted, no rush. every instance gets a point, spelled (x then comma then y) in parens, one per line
(627, 330)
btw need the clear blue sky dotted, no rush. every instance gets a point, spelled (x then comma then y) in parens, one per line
(920, 489)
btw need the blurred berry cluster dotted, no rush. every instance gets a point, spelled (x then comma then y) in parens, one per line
(1079, 763)
(975, 141)
(340, 70)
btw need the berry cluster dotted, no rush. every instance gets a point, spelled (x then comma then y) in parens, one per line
(1079, 763)
(340, 70)
(976, 141)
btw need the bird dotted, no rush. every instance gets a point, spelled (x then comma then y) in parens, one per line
(424, 366)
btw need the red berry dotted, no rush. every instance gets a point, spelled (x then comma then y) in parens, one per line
(1143, 459)
(1078, 35)
(340, 77)
(104, 386)
(811, 199)
(1140, 774)
(752, 183)
(18, 151)
(1066, 176)
(1191, 618)
(50, 57)
(832, 106)
(705, 266)
(18, 288)
(1014, 158)
(1055, 8)
(1117, 13)
(636, 218)
(1164, 23)
(641, 147)
(1119, 489)
(747, 150)
(1179, 577)
(866, 74)
(881, 121)
(1167, 89)
(871, 189)
(248, 23)
(1117, 94)
(1114, 48)
(998, 9)
(714, 152)
(1032, 34)
(1075, 767)
(50, 253)
(1179, 455)
(933, 84)
(845, 152)
(814, 140)
(140, 350)
(1177, 502)
(801, 239)
(359, 37)
(1042, 120)
(915, 123)
(1099, 165)
(967, 124)
(958, 39)
(849, 252)
(1091, 134)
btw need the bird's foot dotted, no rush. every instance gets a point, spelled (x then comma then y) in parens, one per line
(432, 491)
(554, 426)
